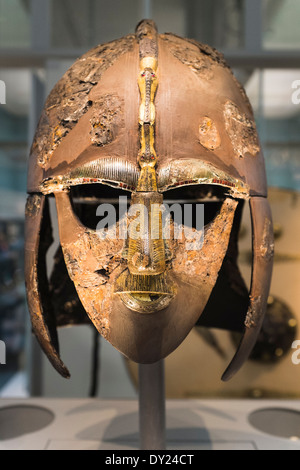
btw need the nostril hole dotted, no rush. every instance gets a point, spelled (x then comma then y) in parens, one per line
(154, 297)
(102, 272)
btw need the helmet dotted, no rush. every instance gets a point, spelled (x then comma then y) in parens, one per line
(162, 119)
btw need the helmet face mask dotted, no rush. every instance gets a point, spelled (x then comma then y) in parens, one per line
(118, 301)
(146, 124)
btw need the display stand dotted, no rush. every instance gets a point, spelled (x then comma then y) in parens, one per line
(152, 406)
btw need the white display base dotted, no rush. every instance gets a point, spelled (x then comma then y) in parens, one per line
(95, 424)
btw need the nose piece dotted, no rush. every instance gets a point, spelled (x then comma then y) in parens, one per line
(146, 246)
(146, 287)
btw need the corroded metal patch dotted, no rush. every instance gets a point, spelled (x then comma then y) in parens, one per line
(199, 267)
(254, 313)
(106, 118)
(69, 100)
(242, 92)
(267, 245)
(93, 263)
(33, 205)
(209, 134)
(215, 57)
(198, 60)
(241, 130)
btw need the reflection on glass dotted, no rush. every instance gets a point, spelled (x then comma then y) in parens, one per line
(217, 23)
(13, 163)
(278, 117)
(229, 24)
(14, 23)
(78, 24)
(281, 24)
(12, 307)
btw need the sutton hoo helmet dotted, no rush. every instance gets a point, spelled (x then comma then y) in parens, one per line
(162, 118)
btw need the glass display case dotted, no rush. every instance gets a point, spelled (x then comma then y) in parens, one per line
(44, 37)
(280, 30)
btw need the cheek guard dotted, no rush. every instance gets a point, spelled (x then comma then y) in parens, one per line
(140, 115)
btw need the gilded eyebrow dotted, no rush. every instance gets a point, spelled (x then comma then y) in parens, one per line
(191, 171)
(115, 172)
(112, 169)
(120, 173)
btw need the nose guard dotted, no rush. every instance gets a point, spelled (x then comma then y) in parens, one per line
(146, 287)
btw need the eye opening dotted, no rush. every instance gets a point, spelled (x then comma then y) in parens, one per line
(87, 198)
(210, 195)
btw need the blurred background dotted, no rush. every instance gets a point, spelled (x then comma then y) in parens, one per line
(39, 40)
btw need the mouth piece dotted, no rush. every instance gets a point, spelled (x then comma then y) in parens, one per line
(145, 294)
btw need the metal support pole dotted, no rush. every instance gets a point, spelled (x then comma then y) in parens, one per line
(152, 406)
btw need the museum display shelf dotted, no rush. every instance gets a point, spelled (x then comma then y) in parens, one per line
(96, 424)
